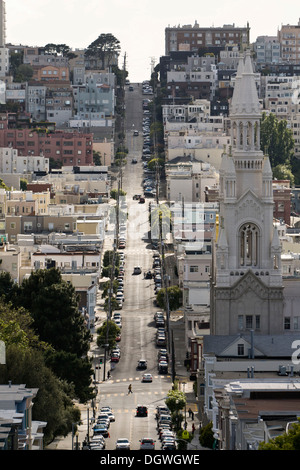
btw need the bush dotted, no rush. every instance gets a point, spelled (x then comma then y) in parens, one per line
(206, 437)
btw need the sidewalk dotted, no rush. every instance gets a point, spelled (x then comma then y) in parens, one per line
(182, 375)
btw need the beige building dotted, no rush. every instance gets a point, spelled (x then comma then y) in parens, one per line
(289, 38)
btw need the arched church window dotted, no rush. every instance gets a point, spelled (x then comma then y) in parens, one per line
(249, 245)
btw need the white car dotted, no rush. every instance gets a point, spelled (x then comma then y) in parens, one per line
(123, 444)
(137, 270)
(147, 378)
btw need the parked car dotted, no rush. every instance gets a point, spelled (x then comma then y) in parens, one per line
(97, 429)
(115, 357)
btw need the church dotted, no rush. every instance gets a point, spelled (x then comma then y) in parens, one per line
(246, 281)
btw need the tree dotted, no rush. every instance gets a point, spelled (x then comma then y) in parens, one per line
(175, 400)
(108, 258)
(105, 47)
(206, 436)
(52, 403)
(114, 193)
(57, 49)
(106, 288)
(109, 330)
(97, 158)
(53, 304)
(287, 441)
(276, 139)
(25, 364)
(174, 296)
(8, 288)
(24, 73)
(283, 172)
(76, 371)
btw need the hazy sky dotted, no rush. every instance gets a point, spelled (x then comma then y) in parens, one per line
(139, 25)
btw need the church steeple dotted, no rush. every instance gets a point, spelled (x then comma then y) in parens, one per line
(247, 252)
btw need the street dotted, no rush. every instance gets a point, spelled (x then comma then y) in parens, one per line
(138, 326)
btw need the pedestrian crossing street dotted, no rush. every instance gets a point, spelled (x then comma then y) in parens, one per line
(131, 379)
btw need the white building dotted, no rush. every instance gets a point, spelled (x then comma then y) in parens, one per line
(11, 162)
(246, 289)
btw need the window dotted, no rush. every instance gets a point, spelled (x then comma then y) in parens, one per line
(193, 269)
(249, 321)
(249, 245)
(296, 323)
(287, 323)
(240, 349)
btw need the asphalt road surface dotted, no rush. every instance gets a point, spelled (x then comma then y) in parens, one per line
(138, 326)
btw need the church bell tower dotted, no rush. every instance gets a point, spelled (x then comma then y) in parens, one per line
(246, 289)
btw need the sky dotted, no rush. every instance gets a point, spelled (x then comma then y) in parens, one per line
(139, 25)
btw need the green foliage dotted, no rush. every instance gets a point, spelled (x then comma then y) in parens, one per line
(174, 295)
(206, 436)
(52, 404)
(57, 49)
(8, 288)
(114, 193)
(3, 185)
(175, 400)
(108, 258)
(287, 441)
(105, 47)
(283, 172)
(154, 162)
(97, 158)
(106, 288)
(53, 304)
(276, 139)
(75, 370)
(110, 304)
(24, 73)
(109, 271)
(107, 334)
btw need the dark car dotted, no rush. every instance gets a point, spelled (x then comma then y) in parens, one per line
(141, 410)
(142, 364)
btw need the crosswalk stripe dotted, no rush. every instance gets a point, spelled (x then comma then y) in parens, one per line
(131, 379)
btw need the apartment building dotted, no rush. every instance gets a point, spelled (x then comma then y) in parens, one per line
(195, 37)
(205, 146)
(12, 163)
(22, 224)
(187, 180)
(69, 148)
(77, 67)
(267, 49)
(21, 431)
(94, 100)
(289, 38)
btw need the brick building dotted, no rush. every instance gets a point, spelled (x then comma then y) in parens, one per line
(69, 148)
(196, 38)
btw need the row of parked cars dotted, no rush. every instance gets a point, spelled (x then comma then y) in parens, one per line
(101, 429)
